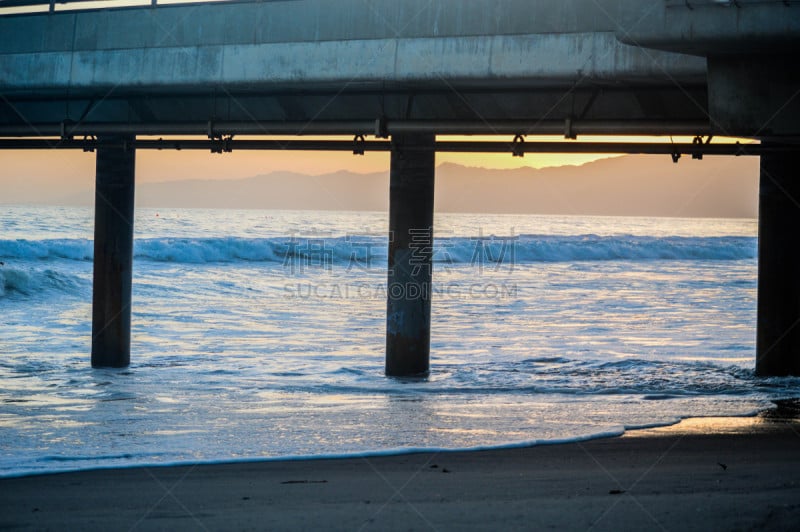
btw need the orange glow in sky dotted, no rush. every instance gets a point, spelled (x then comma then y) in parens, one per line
(171, 165)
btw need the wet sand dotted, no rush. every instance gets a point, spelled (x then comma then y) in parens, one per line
(702, 474)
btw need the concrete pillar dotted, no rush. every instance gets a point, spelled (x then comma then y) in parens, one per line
(408, 319)
(778, 329)
(113, 253)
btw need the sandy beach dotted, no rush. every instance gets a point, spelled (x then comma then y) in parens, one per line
(701, 474)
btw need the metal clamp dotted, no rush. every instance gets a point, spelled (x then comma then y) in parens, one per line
(222, 144)
(697, 141)
(359, 143)
(89, 138)
(518, 146)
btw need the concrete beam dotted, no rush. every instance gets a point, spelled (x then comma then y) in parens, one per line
(709, 27)
(303, 59)
(540, 60)
(454, 102)
(754, 95)
(302, 21)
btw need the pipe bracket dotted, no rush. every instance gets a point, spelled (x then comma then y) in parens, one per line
(518, 146)
(359, 142)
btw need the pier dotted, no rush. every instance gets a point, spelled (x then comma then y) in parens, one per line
(392, 76)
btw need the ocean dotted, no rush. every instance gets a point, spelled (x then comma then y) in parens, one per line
(260, 335)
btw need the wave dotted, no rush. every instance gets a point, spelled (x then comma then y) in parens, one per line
(569, 377)
(73, 249)
(369, 251)
(28, 281)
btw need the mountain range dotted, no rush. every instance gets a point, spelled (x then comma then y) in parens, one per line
(637, 185)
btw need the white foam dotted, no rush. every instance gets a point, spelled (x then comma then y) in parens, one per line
(128, 461)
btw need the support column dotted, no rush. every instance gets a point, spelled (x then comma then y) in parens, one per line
(778, 328)
(113, 253)
(408, 319)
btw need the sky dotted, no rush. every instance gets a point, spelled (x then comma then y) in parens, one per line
(156, 166)
(726, 187)
(170, 165)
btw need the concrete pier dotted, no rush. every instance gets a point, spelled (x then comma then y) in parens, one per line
(702, 68)
(408, 320)
(113, 254)
(778, 329)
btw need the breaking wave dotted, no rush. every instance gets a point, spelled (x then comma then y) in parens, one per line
(29, 281)
(372, 251)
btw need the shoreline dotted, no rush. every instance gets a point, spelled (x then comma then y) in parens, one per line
(701, 423)
(699, 474)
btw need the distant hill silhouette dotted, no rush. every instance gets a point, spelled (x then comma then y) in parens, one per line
(630, 185)
(634, 185)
